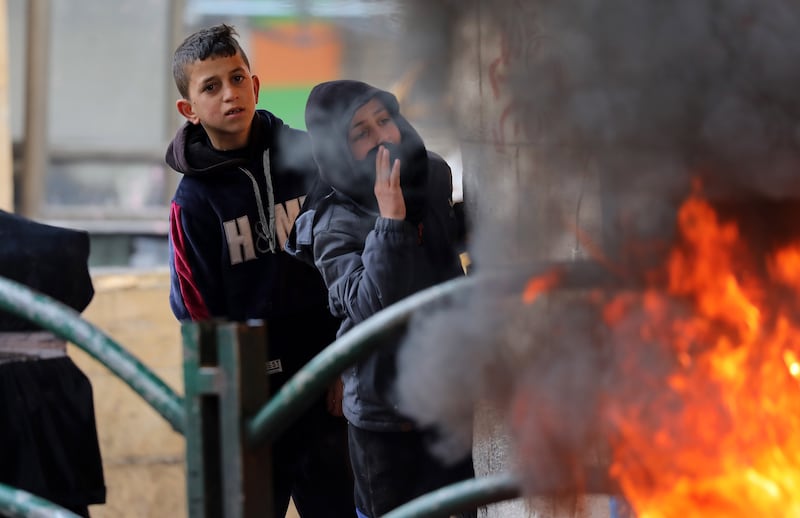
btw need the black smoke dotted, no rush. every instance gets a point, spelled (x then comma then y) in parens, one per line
(655, 95)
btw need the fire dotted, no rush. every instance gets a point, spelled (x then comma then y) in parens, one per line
(541, 284)
(706, 419)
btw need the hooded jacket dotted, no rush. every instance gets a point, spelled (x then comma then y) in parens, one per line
(369, 262)
(229, 217)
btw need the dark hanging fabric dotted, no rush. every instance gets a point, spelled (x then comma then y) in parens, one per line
(47, 421)
(48, 432)
(47, 259)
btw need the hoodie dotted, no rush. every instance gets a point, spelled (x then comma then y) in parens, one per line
(229, 217)
(329, 110)
(369, 262)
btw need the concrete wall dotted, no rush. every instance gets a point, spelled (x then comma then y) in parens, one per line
(142, 455)
(529, 199)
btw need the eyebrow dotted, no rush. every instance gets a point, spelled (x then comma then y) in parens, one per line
(208, 79)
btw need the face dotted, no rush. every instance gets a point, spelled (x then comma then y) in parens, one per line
(222, 97)
(371, 125)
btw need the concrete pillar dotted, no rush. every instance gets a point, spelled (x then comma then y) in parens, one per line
(173, 120)
(532, 199)
(37, 92)
(6, 167)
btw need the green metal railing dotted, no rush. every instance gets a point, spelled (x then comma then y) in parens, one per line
(68, 324)
(482, 491)
(314, 378)
(460, 497)
(16, 502)
(286, 405)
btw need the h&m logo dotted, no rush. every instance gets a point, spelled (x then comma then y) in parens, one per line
(239, 231)
(240, 239)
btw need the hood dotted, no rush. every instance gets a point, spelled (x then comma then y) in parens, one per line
(191, 153)
(329, 110)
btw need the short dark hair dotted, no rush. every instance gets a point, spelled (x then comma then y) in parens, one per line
(217, 41)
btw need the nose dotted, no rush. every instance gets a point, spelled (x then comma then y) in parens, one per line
(384, 134)
(229, 93)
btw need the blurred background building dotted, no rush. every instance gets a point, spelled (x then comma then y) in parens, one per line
(92, 99)
(87, 109)
(579, 124)
(91, 109)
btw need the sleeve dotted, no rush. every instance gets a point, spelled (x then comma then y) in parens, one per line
(193, 282)
(364, 277)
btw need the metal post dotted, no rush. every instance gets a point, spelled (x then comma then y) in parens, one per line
(225, 383)
(37, 93)
(6, 161)
(176, 32)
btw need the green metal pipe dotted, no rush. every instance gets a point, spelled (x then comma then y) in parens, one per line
(16, 503)
(67, 323)
(460, 497)
(478, 492)
(311, 380)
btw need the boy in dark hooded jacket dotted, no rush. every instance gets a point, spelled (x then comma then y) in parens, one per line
(380, 229)
(245, 175)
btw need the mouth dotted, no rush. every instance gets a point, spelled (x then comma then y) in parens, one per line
(234, 111)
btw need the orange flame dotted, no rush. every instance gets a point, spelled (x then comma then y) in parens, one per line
(541, 284)
(718, 434)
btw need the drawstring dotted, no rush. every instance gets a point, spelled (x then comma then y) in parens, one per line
(420, 227)
(265, 229)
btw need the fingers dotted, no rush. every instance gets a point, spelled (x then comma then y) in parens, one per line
(388, 191)
(394, 175)
(382, 165)
(382, 171)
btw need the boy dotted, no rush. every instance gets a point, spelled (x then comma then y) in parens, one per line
(383, 230)
(245, 175)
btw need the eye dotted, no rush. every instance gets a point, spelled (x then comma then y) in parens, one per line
(358, 136)
(384, 121)
(238, 78)
(209, 87)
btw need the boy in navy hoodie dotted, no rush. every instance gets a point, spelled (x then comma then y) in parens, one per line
(245, 176)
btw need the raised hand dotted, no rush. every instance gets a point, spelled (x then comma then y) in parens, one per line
(387, 186)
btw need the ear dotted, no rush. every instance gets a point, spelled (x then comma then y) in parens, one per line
(256, 85)
(186, 109)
